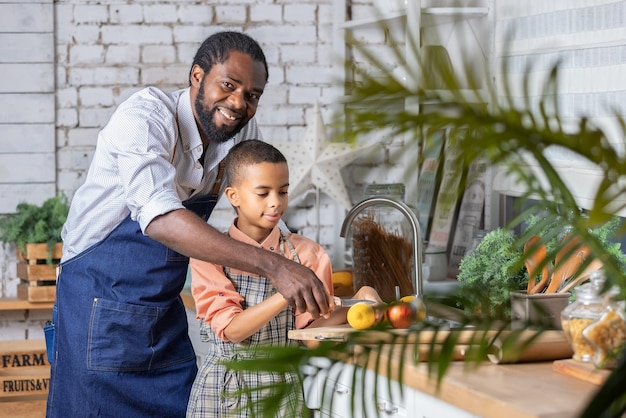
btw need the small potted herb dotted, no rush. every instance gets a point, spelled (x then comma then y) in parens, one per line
(33, 224)
(490, 273)
(495, 269)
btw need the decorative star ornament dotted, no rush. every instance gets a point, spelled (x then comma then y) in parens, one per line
(316, 162)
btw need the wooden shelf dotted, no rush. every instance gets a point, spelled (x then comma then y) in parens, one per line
(15, 304)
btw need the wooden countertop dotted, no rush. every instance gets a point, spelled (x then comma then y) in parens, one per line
(527, 390)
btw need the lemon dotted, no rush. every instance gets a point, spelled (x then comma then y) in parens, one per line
(362, 316)
(407, 298)
(418, 304)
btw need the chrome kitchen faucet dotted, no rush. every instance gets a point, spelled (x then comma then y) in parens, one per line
(417, 235)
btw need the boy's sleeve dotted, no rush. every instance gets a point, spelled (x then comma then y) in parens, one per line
(216, 299)
(318, 261)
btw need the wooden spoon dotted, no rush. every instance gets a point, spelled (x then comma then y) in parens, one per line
(582, 277)
(567, 261)
(545, 276)
(535, 255)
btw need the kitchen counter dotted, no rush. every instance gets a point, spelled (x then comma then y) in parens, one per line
(499, 390)
(522, 390)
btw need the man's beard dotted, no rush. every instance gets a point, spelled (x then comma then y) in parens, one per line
(207, 120)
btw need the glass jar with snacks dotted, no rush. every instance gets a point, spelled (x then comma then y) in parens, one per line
(578, 315)
(608, 334)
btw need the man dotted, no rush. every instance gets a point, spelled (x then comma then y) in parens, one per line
(121, 346)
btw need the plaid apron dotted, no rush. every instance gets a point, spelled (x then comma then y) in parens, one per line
(215, 391)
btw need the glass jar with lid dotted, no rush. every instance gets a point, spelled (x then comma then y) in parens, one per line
(607, 335)
(584, 311)
(382, 245)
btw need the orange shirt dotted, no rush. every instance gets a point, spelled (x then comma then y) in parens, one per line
(217, 301)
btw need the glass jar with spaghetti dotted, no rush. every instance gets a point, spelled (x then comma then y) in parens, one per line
(382, 245)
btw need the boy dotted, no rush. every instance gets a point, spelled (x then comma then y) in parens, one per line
(239, 310)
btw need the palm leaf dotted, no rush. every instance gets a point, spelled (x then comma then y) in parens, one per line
(511, 136)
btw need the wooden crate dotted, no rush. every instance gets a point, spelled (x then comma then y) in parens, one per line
(33, 406)
(22, 355)
(39, 252)
(24, 369)
(28, 383)
(36, 293)
(37, 277)
(36, 272)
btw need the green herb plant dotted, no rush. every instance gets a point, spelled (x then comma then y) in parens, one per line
(489, 273)
(496, 267)
(35, 224)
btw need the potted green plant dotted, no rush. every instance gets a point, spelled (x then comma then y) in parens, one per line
(490, 273)
(495, 269)
(36, 224)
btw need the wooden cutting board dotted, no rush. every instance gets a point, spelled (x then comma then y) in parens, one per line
(341, 332)
(580, 370)
(549, 345)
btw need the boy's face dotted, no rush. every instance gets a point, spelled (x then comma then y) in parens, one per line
(260, 198)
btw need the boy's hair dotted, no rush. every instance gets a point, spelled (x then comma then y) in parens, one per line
(247, 153)
(217, 47)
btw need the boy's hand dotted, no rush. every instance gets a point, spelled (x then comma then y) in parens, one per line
(302, 289)
(368, 293)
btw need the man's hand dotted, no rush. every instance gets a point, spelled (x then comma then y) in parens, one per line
(186, 233)
(301, 288)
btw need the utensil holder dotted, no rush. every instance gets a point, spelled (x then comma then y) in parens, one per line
(540, 308)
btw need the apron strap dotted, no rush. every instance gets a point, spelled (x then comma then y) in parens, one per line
(218, 180)
(286, 243)
(292, 249)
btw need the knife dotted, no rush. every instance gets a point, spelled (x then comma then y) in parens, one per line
(350, 302)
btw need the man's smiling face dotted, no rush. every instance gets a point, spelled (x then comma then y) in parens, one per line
(227, 96)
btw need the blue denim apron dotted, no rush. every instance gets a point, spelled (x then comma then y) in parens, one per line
(121, 328)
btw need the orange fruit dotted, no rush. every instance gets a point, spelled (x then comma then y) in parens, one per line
(343, 278)
(362, 316)
(342, 283)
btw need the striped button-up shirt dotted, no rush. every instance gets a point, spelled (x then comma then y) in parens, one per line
(145, 164)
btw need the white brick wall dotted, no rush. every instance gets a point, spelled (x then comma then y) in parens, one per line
(26, 102)
(105, 51)
(27, 133)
